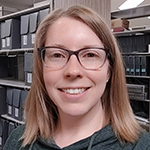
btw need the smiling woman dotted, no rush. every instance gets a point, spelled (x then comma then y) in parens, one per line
(72, 76)
(78, 98)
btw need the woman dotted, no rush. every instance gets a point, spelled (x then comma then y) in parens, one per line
(78, 98)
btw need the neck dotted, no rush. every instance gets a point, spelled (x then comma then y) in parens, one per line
(72, 129)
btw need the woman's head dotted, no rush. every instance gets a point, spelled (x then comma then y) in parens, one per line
(95, 23)
(76, 68)
(114, 97)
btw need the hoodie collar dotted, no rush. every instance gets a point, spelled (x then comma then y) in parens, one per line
(105, 136)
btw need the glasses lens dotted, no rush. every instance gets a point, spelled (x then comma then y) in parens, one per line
(54, 58)
(92, 58)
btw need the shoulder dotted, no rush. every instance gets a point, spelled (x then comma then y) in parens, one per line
(17, 133)
(13, 140)
(144, 141)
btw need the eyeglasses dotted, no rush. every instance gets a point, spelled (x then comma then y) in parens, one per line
(90, 58)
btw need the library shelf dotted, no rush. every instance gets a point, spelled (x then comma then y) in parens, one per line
(135, 76)
(132, 32)
(5, 116)
(7, 51)
(14, 83)
(143, 120)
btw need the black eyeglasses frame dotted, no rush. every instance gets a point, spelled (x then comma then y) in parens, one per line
(71, 52)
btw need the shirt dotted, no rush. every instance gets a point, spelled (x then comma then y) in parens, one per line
(104, 139)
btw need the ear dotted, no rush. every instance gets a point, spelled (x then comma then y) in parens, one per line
(108, 75)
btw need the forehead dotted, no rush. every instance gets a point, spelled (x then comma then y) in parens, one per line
(69, 30)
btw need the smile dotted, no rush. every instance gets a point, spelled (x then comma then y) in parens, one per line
(74, 91)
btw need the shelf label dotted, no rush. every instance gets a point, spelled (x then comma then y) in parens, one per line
(25, 39)
(0, 140)
(9, 109)
(29, 77)
(8, 41)
(138, 70)
(3, 43)
(33, 38)
(143, 70)
(16, 112)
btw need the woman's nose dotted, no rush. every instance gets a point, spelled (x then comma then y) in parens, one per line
(73, 69)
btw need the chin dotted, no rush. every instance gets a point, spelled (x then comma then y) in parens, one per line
(76, 112)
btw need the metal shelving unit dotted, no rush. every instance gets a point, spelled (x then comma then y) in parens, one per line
(15, 81)
(131, 14)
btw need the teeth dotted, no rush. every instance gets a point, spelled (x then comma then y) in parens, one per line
(74, 91)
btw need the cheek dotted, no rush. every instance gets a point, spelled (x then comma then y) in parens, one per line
(100, 80)
(101, 83)
(46, 76)
(50, 78)
(102, 76)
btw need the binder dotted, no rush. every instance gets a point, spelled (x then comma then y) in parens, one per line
(143, 66)
(12, 33)
(125, 46)
(24, 31)
(3, 36)
(134, 43)
(137, 65)
(132, 65)
(28, 64)
(140, 43)
(42, 14)
(19, 97)
(129, 44)
(9, 101)
(147, 42)
(16, 102)
(33, 24)
(127, 64)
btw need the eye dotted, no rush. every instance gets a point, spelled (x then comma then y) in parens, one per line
(57, 55)
(90, 54)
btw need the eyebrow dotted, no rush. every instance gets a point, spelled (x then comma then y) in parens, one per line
(56, 45)
(62, 46)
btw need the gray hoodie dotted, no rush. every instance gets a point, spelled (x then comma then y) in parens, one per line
(104, 139)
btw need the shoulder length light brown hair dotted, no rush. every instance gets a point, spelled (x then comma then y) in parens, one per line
(40, 112)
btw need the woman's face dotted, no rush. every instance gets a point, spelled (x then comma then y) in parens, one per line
(75, 90)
